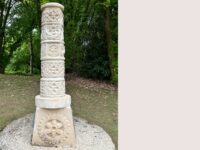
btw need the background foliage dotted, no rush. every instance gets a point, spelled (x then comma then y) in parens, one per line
(90, 32)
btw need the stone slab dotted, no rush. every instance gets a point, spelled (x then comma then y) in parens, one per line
(17, 136)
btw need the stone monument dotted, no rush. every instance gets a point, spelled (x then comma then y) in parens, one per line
(53, 122)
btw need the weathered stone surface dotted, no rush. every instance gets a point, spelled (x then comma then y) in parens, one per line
(52, 32)
(53, 127)
(17, 136)
(53, 124)
(52, 68)
(53, 102)
(52, 50)
(50, 16)
(52, 87)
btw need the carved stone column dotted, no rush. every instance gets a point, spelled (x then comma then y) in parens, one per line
(53, 124)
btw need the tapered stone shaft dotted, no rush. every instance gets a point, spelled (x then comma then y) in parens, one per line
(53, 124)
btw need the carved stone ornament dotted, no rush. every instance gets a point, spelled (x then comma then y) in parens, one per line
(54, 129)
(52, 88)
(53, 124)
(53, 50)
(50, 15)
(52, 32)
(52, 69)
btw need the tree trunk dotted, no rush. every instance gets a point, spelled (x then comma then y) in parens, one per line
(31, 53)
(108, 34)
(38, 4)
(5, 10)
(2, 6)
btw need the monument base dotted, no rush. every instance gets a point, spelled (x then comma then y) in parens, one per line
(53, 127)
(53, 102)
(17, 136)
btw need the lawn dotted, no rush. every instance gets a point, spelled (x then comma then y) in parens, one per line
(94, 101)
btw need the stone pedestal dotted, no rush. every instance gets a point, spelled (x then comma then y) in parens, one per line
(53, 124)
(17, 136)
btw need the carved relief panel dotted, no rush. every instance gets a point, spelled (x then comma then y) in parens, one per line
(52, 32)
(52, 15)
(52, 88)
(54, 129)
(53, 125)
(52, 69)
(52, 50)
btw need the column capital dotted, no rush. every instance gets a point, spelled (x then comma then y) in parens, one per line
(53, 4)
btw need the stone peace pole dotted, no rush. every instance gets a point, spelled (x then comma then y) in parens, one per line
(53, 125)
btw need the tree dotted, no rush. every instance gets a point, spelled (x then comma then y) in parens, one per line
(5, 9)
(111, 36)
(90, 31)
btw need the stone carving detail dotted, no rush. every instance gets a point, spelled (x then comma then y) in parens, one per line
(52, 15)
(55, 50)
(53, 124)
(52, 50)
(52, 32)
(52, 88)
(52, 68)
(54, 129)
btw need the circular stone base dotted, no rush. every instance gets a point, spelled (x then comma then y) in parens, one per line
(17, 136)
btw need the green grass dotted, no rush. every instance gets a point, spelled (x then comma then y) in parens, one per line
(96, 104)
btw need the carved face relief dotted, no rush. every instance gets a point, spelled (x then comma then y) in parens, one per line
(53, 129)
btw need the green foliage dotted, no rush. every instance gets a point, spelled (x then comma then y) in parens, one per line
(86, 47)
(36, 52)
(43, 1)
(86, 51)
(96, 68)
(95, 60)
(114, 32)
(115, 63)
(20, 61)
